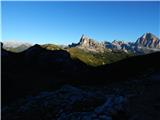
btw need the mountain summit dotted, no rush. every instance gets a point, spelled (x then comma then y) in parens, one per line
(89, 44)
(148, 40)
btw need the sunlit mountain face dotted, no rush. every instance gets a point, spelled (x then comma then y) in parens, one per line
(149, 40)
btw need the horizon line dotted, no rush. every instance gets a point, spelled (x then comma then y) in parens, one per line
(85, 35)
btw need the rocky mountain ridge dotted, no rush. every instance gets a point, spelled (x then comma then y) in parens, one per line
(147, 43)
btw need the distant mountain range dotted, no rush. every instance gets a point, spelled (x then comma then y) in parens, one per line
(16, 46)
(96, 53)
(147, 43)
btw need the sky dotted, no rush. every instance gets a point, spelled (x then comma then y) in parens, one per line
(65, 22)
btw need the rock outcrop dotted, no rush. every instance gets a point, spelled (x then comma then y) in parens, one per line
(87, 43)
(148, 40)
(67, 103)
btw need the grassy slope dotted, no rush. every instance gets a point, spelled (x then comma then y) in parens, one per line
(96, 59)
(91, 58)
(86, 57)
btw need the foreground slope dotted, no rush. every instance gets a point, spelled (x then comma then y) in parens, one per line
(38, 69)
(44, 84)
(136, 99)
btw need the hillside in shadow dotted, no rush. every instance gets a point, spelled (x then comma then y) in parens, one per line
(38, 69)
(39, 83)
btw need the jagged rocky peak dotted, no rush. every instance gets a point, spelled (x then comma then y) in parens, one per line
(148, 40)
(86, 41)
(90, 44)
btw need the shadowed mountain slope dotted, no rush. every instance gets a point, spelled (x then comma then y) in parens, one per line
(38, 69)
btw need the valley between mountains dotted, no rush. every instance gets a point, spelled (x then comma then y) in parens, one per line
(88, 80)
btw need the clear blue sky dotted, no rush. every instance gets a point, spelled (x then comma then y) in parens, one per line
(65, 22)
